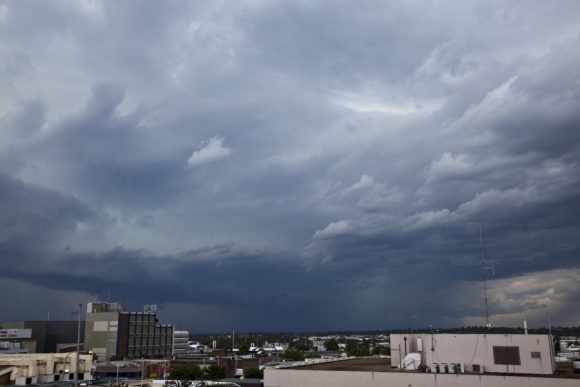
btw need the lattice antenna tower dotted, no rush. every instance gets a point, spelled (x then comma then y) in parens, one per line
(485, 266)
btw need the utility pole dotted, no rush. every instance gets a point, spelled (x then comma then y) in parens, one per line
(234, 353)
(78, 346)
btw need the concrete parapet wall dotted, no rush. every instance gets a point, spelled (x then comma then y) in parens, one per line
(274, 377)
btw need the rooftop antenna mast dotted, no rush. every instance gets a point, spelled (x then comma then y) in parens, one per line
(485, 266)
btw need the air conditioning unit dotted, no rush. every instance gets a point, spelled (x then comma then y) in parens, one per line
(444, 369)
(460, 368)
(477, 368)
(434, 368)
(451, 368)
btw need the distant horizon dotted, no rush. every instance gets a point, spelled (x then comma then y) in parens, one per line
(435, 330)
(330, 331)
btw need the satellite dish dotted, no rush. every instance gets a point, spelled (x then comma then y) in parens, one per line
(412, 361)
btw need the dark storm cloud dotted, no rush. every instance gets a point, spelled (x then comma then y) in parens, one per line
(322, 165)
(222, 276)
(34, 218)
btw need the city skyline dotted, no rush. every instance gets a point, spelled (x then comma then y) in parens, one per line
(296, 166)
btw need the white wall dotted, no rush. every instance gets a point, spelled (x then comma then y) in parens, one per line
(477, 349)
(293, 377)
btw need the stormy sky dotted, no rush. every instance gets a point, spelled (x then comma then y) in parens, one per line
(291, 165)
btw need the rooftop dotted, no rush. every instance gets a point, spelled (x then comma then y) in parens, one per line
(375, 364)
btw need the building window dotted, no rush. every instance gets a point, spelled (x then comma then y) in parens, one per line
(536, 355)
(506, 355)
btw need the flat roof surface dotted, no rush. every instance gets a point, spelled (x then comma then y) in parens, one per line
(374, 364)
(359, 364)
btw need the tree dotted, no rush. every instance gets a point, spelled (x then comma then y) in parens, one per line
(359, 351)
(557, 346)
(355, 348)
(294, 355)
(187, 372)
(301, 344)
(378, 350)
(215, 372)
(253, 373)
(331, 345)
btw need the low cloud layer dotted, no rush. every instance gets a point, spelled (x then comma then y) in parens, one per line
(291, 165)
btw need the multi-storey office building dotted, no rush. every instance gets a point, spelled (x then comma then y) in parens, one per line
(112, 330)
(13, 341)
(48, 334)
(180, 341)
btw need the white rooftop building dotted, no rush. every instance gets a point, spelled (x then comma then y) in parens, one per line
(427, 360)
(25, 369)
(503, 353)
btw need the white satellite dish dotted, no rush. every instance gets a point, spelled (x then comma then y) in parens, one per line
(412, 361)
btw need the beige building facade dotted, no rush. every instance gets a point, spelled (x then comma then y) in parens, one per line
(112, 330)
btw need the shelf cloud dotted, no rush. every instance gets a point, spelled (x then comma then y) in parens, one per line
(291, 165)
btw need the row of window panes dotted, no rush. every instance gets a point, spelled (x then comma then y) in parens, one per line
(151, 345)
